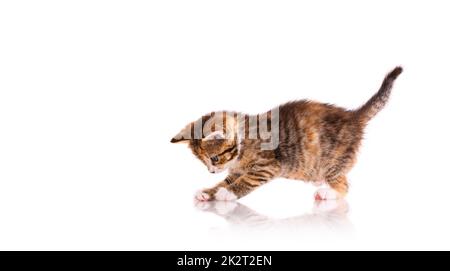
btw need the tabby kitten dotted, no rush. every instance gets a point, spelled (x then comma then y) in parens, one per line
(301, 140)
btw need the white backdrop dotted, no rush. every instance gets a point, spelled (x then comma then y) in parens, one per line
(91, 92)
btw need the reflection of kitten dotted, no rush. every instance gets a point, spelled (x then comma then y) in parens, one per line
(324, 215)
(317, 143)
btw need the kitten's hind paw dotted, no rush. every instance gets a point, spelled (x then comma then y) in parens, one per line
(202, 196)
(339, 206)
(326, 194)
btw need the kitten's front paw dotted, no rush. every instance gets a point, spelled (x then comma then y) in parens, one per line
(326, 194)
(225, 195)
(202, 196)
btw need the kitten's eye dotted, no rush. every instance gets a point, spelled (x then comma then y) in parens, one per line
(215, 159)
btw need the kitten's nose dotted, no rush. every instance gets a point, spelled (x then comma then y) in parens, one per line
(212, 170)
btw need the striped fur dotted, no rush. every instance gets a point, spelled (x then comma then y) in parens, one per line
(317, 143)
(379, 100)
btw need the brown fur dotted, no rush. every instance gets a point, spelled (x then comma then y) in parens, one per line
(317, 142)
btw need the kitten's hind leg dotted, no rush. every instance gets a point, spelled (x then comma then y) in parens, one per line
(337, 190)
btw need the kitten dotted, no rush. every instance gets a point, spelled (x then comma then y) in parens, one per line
(300, 140)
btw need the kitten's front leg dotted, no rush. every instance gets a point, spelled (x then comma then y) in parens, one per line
(243, 185)
(209, 193)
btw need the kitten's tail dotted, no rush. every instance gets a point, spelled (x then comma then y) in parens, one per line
(379, 100)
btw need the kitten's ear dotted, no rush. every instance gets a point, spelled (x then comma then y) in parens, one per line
(179, 140)
(215, 136)
(183, 136)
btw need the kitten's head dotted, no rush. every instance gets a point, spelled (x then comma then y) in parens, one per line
(216, 145)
